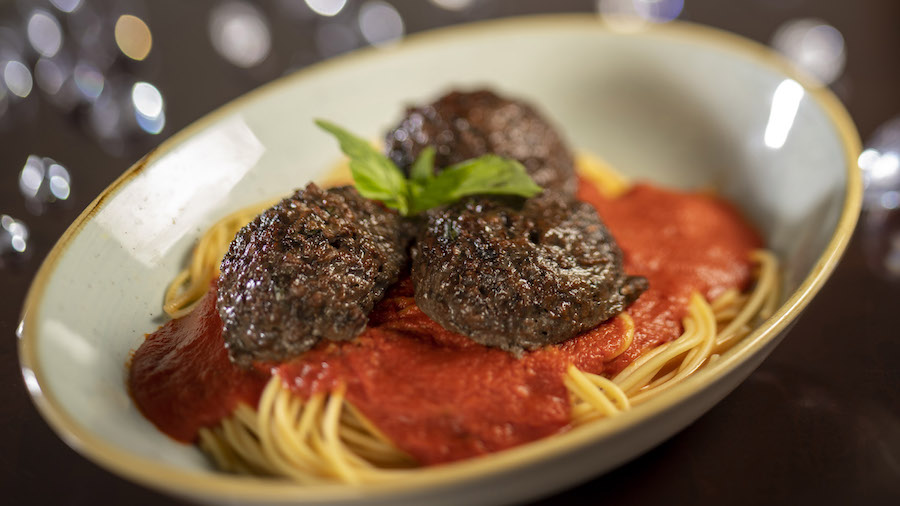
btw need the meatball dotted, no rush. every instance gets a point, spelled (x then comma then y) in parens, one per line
(309, 268)
(520, 275)
(462, 125)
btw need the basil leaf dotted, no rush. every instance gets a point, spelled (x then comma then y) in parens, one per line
(488, 174)
(374, 175)
(377, 178)
(423, 168)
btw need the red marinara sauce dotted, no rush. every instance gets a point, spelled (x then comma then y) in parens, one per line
(182, 379)
(437, 395)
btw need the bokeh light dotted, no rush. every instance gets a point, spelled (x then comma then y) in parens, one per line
(31, 176)
(453, 5)
(632, 15)
(66, 5)
(149, 107)
(43, 181)
(240, 33)
(880, 164)
(55, 78)
(106, 119)
(326, 7)
(49, 75)
(59, 182)
(44, 33)
(13, 236)
(380, 23)
(133, 37)
(17, 78)
(814, 46)
(147, 99)
(89, 81)
(659, 11)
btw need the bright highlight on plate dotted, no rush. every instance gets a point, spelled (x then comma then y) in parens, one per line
(785, 104)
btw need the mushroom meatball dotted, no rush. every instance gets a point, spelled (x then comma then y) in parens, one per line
(309, 268)
(464, 125)
(520, 275)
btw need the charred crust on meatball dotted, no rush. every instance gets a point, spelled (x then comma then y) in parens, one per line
(519, 274)
(464, 125)
(309, 268)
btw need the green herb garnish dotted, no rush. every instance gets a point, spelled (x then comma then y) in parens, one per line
(376, 177)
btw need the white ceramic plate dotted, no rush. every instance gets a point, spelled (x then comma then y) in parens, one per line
(680, 105)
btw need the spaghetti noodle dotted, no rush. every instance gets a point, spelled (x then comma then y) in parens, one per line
(324, 438)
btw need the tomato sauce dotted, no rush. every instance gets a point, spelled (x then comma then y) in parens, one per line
(181, 377)
(437, 395)
(681, 242)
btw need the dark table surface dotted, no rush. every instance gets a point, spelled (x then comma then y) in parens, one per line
(819, 422)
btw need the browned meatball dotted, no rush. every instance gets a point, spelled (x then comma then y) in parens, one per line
(520, 275)
(309, 268)
(464, 125)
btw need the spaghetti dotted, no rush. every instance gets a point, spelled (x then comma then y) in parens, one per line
(323, 437)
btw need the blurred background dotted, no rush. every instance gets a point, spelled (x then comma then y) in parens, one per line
(89, 86)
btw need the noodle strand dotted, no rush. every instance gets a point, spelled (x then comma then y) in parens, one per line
(325, 439)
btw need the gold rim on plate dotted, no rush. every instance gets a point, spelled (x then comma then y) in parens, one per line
(209, 484)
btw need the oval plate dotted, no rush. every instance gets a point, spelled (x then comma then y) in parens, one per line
(678, 104)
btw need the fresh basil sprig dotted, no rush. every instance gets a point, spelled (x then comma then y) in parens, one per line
(376, 177)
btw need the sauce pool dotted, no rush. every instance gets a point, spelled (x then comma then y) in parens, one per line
(437, 395)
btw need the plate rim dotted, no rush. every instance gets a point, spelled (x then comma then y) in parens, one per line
(197, 483)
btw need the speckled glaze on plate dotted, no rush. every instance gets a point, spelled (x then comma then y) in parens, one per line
(679, 104)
